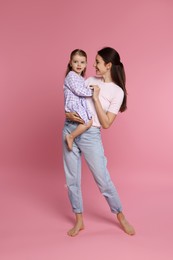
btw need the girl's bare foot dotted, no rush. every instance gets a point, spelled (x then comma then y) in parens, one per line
(69, 140)
(79, 225)
(128, 228)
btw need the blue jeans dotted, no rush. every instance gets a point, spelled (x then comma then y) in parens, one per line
(90, 145)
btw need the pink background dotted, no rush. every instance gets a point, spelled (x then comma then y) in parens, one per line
(36, 39)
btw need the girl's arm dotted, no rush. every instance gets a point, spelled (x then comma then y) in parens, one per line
(106, 119)
(77, 86)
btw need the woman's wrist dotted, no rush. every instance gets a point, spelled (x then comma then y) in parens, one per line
(95, 99)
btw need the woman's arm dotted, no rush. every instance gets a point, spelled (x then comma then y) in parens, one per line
(106, 119)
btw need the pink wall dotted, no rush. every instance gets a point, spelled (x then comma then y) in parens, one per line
(36, 39)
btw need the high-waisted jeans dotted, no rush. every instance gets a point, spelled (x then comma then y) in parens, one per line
(90, 145)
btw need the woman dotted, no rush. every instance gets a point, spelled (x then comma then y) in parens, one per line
(109, 97)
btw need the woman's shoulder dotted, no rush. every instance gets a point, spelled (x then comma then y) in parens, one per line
(119, 89)
(116, 89)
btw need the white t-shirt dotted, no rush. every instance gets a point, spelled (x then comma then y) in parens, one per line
(110, 96)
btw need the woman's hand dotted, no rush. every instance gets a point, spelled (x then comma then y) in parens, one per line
(72, 116)
(96, 91)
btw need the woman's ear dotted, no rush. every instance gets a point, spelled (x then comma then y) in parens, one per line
(109, 65)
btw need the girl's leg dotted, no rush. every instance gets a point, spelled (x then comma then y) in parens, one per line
(91, 145)
(81, 128)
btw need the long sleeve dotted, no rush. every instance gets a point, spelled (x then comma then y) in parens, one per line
(76, 84)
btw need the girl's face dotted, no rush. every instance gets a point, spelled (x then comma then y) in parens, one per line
(100, 66)
(78, 63)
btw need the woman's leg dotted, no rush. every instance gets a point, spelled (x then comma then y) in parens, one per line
(126, 226)
(91, 145)
(78, 226)
(72, 168)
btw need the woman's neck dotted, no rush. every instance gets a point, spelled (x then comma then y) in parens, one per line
(107, 78)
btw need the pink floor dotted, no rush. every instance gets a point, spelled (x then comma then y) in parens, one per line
(35, 215)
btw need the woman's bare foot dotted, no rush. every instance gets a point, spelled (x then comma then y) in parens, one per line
(75, 230)
(79, 225)
(69, 140)
(128, 228)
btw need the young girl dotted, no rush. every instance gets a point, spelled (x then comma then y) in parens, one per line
(75, 92)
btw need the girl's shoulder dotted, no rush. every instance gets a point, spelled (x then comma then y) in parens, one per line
(72, 74)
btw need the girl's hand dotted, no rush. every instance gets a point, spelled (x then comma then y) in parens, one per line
(72, 116)
(96, 91)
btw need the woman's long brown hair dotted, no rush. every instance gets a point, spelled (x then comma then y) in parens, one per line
(117, 71)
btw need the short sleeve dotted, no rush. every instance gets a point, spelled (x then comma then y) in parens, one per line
(116, 102)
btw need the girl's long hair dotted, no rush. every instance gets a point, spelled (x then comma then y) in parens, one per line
(117, 71)
(73, 53)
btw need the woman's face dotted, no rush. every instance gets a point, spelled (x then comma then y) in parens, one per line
(100, 66)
